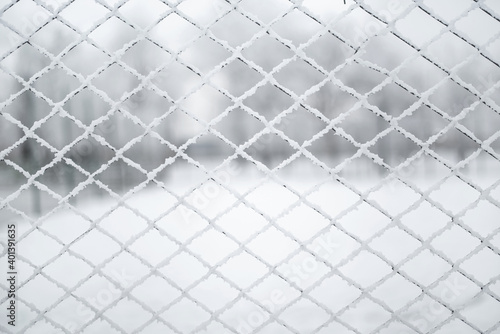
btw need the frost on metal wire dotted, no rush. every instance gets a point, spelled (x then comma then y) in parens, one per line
(227, 166)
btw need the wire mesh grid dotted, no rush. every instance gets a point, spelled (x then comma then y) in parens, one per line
(356, 290)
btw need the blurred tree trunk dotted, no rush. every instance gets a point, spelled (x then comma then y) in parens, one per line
(29, 156)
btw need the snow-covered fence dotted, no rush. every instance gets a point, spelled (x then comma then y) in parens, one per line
(248, 166)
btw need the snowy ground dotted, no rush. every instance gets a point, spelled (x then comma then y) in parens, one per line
(275, 264)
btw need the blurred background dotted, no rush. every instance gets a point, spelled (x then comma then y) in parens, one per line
(151, 81)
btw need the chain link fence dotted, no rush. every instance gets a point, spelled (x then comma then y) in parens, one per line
(224, 166)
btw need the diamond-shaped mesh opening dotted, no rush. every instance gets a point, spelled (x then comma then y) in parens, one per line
(316, 316)
(90, 155)
(394, 142)
(26, 248)
(102, 247)
(287, 28)
(425, 220)
(174, 33)
(56, 84)
(481, 218)
(331, 100)
(25, 8)
(370, 124)
(435, 266)
(202, 12)
(145, 152)
(280, 167)
(56, 270)
(112, 35)
(264, 150)
(22, 109)
(451, 90)
(467, 26)
(246, 78)
(409, 74)
(407, 292)
(268, 13)
(26, 61)
(247, 126)
(30, 155)
(86, 106)
(300, 116)
(135, 315)
(384, 197)
(178, 135)
(327, 52)
(214, 292)
(332, 149)
(121, 228)
(482, 121)
(112, 175)
(352, 223)
(423, 172)
(234, 20)
(378, 51)
(55, 37)
(484, 274)
(448, 13)
(365, 306)
(176, 81)
(67, 176)
(463, 145)
(269, 101)
(481, 73)
(69, 131)
(145, 56)
(430, 27)
(446, 243)
(147, 105)
(72, 59)
(280, 52)
(47, 295)
(81, 15)
(260, 246)
(209, 150)
(439, 50)
(233, 269)
(430, 123)
(392, 99)
(125, 82)
(163, 294)
(206, 103)
(442, 313)
(253, 222)
(143, 13)
(325, 11)
(294, 70)
(110, 130)
(213, 54)
(481, 317)
(347, 28)
(371, 78)
(57, 226)
(476, 165)
(335, 293)
(467, 194)
(363, 172)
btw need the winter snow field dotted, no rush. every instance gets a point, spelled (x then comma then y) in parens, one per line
(311, 256)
